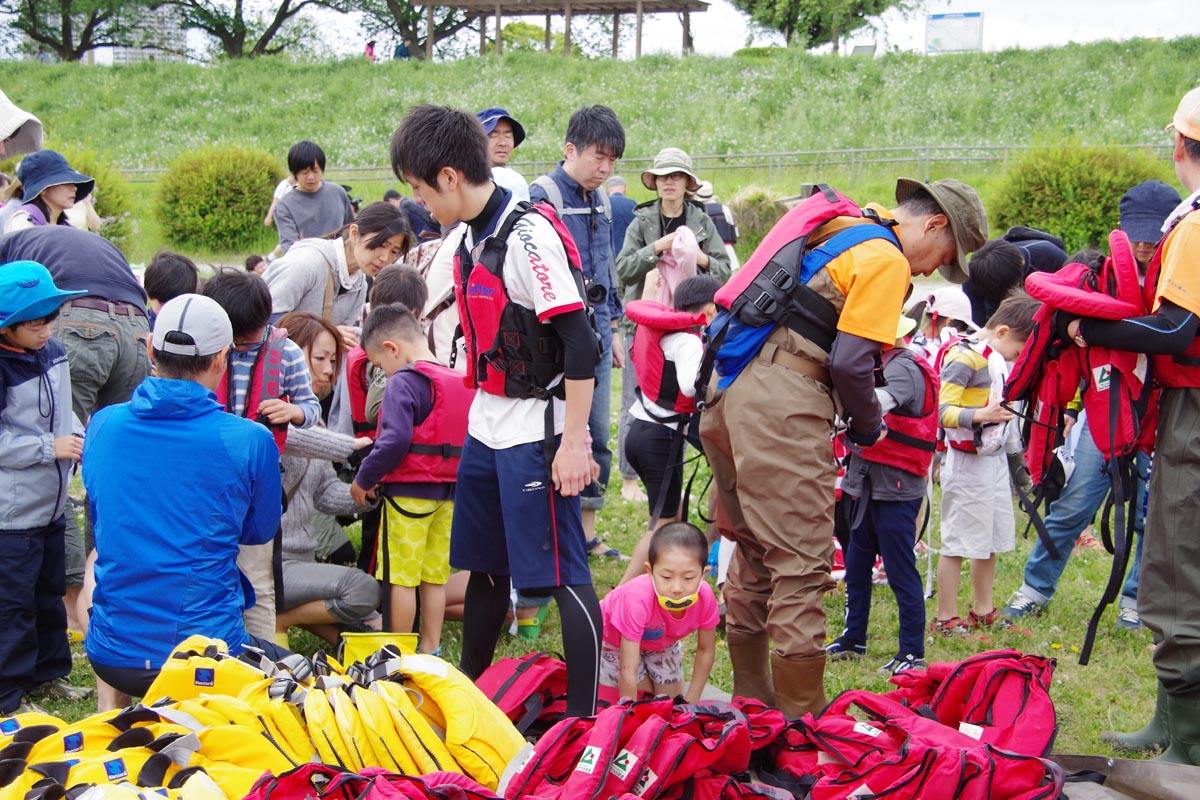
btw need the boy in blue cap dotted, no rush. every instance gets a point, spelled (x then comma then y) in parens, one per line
(38, 448)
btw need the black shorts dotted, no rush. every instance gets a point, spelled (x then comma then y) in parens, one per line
(648, 448)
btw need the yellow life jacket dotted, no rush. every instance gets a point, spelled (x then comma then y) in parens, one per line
(281, 722)
(200, 665)
(27, 727)
(478, 735)
(98, 732)
(325, 733)
(424, 745)
(377, 717)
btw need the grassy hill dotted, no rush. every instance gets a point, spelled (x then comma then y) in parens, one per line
(761, 101)
(146, 114)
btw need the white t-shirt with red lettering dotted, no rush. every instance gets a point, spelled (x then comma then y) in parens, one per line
(631, 611)
(537, 276)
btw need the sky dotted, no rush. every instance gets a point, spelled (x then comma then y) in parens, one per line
(1006, 24)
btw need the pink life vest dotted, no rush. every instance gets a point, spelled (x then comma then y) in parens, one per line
(357, 367)
(656, 378)
(437, 442)
(265, 383)
(510, 352)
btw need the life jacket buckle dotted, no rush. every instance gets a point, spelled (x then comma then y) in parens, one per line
(766, 304)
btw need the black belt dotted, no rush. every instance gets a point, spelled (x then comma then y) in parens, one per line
(111, 306)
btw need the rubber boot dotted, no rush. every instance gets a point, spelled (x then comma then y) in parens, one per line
(750, 653)
(799, 684)
(1152, 737)
(1183, 726)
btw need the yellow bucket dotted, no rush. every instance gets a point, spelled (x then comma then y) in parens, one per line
(357, 646)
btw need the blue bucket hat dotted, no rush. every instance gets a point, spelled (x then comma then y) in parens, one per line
(47, 168)
(1145, 207)
(27, 292)
(490, 116)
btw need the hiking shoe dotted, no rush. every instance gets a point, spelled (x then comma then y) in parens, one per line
(995, 620)
(61, 690)
(839, 650)
(950, 628)
(1021, 606)
(902, 663)
(1129, 619)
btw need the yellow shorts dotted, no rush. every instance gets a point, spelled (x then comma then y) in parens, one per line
(417, 533)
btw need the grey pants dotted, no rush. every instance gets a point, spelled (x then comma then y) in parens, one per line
(349, 593)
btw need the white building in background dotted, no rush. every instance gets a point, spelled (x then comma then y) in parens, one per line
(162, 34)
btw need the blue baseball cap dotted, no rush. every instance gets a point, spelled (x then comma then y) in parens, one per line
(490, 116)
(1145, 207)
(27, 292)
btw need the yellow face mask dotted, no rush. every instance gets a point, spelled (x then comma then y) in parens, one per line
(672, 604)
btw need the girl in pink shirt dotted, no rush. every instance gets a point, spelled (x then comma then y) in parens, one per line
(646, 618)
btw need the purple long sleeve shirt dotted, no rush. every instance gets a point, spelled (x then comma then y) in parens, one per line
(407, 401)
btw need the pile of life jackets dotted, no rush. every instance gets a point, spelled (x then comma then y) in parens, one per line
(212, 725)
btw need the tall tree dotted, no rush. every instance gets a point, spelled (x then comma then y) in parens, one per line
(72, 28)
(809, 23)
(405, 20)
(248, 28)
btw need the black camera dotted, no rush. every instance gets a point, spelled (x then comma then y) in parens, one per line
(597, 293)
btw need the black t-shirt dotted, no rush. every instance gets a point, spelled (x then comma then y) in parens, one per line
(671, 224)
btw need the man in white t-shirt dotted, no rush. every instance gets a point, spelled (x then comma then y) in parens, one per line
(532, 353)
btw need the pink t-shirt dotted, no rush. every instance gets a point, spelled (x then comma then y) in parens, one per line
(631, 611)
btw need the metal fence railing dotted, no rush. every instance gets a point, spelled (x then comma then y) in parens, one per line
(854, 164)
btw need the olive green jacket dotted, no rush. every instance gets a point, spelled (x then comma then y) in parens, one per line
(637, 256)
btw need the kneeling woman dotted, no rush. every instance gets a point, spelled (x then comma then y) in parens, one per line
(319, 597)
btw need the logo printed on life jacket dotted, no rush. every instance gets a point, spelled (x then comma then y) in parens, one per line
(9, 726)
(623, 764)
(479, 290)
(73, 742)
(539, 266)
(205, 676)
(115, 769)
(587, 761)
(1102, 376)
(645, 782)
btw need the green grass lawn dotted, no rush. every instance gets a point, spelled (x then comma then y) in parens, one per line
(1116, 691)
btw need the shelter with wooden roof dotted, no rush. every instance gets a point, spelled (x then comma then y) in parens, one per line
(499, 9)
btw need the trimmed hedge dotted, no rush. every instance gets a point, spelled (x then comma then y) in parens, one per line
(215, 199)
(1072, 192)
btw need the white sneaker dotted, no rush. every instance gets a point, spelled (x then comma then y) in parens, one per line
(1129, 619)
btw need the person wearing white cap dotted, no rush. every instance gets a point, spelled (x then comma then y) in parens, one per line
(1169, 588)
(205, 482)
(20, 134)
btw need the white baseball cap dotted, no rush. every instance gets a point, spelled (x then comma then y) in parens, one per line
(192, 325)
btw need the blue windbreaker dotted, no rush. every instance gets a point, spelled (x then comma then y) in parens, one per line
(175, 485)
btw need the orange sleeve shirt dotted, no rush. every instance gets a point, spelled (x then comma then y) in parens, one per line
(874, 276)
(1179, 280)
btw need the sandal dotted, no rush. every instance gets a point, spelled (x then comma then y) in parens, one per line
(598, 547)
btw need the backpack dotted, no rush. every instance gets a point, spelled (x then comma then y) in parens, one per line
(1118, 393)
(554, 195)
(771, 287)
(1000, 697)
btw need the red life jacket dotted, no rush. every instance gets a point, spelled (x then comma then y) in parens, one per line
(910, 441)
(265, 383)
(1182, 370)
(438, 441)
(657, 380)
(357, 375)
(510, 352)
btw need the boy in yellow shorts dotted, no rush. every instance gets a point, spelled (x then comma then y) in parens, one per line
(412, 468)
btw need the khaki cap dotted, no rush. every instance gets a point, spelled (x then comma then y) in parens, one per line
(968, 220)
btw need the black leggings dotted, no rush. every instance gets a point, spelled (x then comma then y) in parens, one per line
(485, 607)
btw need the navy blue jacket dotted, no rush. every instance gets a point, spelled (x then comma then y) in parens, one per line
(76, 260)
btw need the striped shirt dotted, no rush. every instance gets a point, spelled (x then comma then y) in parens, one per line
(294, 380)
(966, 386)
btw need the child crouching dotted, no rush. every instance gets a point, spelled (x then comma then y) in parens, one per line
(646, 619)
